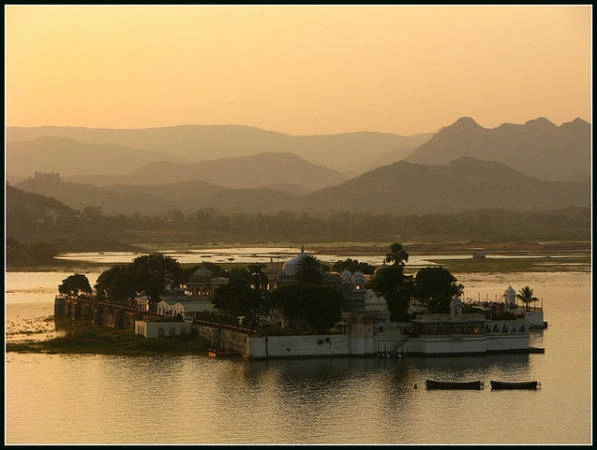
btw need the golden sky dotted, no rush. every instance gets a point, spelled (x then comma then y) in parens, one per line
(297, 69)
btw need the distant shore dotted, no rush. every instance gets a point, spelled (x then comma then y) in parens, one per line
(93, 339)
(546, 256)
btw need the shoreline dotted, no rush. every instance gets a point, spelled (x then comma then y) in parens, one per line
(513, 263)
(93, 339)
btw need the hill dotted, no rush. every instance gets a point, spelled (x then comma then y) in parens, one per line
(188, 197)
(37, 206)
(401, 188)
(464, 184)
(245, 172)
(538, 148)
(79, 196)
(193, 143)
(191, 196)
(69, 156)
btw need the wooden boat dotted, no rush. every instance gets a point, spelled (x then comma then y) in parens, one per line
(529, 385)
(470, 385)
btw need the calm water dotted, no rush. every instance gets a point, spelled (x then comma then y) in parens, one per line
(96, 399)
(254, 255)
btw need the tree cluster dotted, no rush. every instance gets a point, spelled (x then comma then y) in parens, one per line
(19, 254)
(74, 285)
(33, 218)
(432, 286)
(150, 274)
(353, 265)
(317, 306)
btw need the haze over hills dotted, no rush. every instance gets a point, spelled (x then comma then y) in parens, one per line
(245, 172)
(401, 188)
(463, 184)
(187, 197)
(193, 143)
(79, 196)
(68, 156)
(538, 148)
(34, 205)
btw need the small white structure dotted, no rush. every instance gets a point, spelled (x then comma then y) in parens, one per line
(187, 309)
(162, 329)
(169, 307)
(509, 298)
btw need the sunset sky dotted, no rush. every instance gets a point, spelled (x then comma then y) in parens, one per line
(297, 69)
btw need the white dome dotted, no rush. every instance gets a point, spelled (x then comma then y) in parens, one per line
(201, 274)
(358, 276)
(510, 294)
(346, 276)
(290, 267)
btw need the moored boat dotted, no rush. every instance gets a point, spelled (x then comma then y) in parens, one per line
(470, 385)
(529, 385)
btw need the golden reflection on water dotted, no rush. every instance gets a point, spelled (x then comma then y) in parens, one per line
(96, 399)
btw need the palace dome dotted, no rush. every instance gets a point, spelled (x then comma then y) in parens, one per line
(358, 276)
(510, 294)
(201, 274)
(290, 267)
(346, 276)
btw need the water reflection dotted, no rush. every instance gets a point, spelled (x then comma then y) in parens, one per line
(257, 255)
(106, 399)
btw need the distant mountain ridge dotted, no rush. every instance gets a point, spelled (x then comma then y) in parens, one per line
(538, 148)
(464, 184)
(239, 173)
(401, 188)
(69, 156)
(193, 143)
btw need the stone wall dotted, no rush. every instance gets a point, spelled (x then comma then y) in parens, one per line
(99, 313)
(162, 329)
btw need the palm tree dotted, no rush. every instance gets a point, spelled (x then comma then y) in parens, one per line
(258, 277)
(309, 270)
(526, 296)
(397, 255)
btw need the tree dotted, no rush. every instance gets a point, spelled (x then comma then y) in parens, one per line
(92, 212)
(259, 279)
(397, 255)
(309, 270)
(215, 269)
(353, 265)
(153, 273)
(526, 296)
(396, 287)
(319, 306)
(436, 286)
(74, 285)
(116, 284)
(237, 298)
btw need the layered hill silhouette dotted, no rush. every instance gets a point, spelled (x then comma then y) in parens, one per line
(34, 205)
(79, 196)
(68, 156)
(344, 152)
(538, 148)
(263, 169)
(464, 184)
(401, 188)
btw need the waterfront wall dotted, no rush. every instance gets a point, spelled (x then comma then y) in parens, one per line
(225, 339)
(266, 347)
(162, 329)
(500, 337)
(99, 313)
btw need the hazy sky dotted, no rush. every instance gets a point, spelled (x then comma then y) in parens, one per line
(297, 69)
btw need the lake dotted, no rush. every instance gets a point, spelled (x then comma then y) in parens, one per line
(101, 399)
(254, 255)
